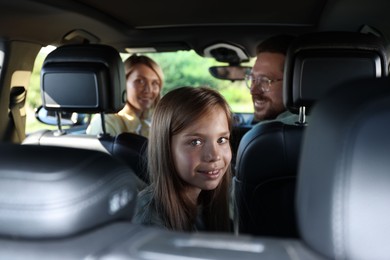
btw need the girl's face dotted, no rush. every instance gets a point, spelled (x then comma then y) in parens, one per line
(143, 87)
(201, 152)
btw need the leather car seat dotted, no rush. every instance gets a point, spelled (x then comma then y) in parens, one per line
(343, 191)
(268, 154)
(89, 78)
(55, 192)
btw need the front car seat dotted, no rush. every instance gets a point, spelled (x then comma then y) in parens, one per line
(343, 192)
(88, 78)
(268, 154)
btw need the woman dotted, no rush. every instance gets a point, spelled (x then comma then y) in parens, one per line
(189, 163)
(144, 81)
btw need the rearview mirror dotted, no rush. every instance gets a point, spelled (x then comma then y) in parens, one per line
(230, 72)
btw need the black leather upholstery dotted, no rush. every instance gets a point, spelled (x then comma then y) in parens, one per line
(344, 184)
(84, 78)
(267, 159)
(96, 76)
(49, 192)
(317, 62)
(266, 177)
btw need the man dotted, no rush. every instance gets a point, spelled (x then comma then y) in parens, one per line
(266, 80)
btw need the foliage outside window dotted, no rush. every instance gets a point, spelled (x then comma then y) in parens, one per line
(183, 68)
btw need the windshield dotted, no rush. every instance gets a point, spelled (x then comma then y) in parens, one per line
(182, 68)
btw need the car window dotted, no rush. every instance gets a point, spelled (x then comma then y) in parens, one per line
(182, 68)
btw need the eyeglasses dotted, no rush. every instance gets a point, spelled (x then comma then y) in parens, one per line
(261, 82)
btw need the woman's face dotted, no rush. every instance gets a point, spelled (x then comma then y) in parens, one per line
(143, 87)
(201, 152)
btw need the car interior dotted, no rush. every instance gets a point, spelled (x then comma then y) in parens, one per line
(317, 189)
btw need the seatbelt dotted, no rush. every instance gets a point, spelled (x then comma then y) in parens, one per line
(16, 103)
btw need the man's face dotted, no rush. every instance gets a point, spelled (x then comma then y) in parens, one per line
(268, 104)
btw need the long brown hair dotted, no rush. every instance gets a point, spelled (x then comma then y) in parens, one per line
(178, 109)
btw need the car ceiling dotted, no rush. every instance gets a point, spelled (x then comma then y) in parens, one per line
(170, 25)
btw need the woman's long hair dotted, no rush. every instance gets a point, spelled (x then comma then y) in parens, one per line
(177, 110)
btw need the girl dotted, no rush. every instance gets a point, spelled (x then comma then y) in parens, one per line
(189, 163)
(144, 81)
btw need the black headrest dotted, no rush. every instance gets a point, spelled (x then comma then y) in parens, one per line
(317, 62)
(50, 192)
(344, 179)
(85, 78)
